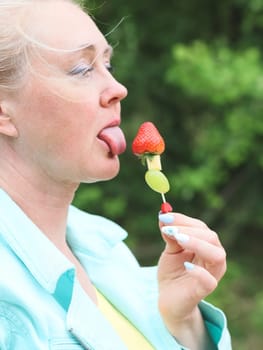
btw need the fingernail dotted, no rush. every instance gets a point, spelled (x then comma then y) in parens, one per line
(166, 218)
(181, 237)
(173, 231)
(188, 266)
(170, 230)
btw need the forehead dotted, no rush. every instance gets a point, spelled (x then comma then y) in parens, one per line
(64, 26)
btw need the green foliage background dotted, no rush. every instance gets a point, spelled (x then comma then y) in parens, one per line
(194, 68)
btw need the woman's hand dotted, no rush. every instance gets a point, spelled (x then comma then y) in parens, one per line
(190, 267)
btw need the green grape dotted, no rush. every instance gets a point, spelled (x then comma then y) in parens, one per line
(157, 181)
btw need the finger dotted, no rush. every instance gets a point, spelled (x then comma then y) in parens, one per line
(211, 254)
(175, 218)
(204, 283)
(180, 220)
(172, 246)
(197, 232)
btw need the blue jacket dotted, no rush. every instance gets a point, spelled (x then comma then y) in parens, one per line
(42, 306)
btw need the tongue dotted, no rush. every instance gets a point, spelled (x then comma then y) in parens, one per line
(114, 138)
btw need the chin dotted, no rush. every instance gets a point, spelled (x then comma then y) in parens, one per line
(105, 174)
(111, 174)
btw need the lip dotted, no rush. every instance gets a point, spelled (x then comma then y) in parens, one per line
(115, 122)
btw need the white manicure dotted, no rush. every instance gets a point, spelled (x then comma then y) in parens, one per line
(173, 231)
(170, 230)
(181, 237)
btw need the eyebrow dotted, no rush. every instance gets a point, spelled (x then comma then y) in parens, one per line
(92, 48)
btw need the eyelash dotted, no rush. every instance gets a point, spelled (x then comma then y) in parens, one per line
(85, 69)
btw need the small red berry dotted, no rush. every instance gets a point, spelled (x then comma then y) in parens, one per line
(166, 208)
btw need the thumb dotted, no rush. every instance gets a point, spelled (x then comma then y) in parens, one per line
(168, 233)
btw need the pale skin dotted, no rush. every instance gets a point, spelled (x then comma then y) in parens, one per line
(49, 145)
(184, 289)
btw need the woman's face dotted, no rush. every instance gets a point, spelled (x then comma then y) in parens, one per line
(68, 113)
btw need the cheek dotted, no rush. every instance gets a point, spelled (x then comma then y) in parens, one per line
(53, 124)
(50, 110)
(77, 139)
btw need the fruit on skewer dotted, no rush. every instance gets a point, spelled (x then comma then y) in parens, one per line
(148, 145)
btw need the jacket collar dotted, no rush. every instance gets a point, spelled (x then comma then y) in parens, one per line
(31, 245)
(85, 233)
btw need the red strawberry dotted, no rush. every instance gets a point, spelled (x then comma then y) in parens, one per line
(148, 140)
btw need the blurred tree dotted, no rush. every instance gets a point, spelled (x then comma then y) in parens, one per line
(226, 162)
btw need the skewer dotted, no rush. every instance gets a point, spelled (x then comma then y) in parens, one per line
(148, 145)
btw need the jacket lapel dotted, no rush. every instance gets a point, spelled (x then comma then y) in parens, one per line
(86, 323)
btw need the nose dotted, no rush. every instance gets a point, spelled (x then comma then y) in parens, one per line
(113, 94)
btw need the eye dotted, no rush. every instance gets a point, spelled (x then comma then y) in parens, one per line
(82, 70)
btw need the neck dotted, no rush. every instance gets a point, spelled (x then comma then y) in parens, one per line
(44, 201)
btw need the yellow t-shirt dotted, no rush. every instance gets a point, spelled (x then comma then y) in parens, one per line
(131, 337)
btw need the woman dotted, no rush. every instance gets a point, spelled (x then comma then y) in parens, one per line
(67, 281)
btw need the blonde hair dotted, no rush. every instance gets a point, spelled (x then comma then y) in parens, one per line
(15, 43)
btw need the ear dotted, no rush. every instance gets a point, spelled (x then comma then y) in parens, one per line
(7, 126)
